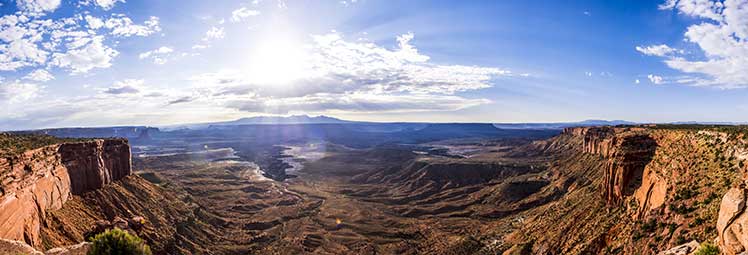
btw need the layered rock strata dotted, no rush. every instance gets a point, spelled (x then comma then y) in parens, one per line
(33, 182)
(627, 153)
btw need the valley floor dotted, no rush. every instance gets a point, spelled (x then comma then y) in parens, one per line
(586, 191)
(344, 203)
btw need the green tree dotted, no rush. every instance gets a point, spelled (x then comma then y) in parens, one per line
(118, 242)
(707, 249)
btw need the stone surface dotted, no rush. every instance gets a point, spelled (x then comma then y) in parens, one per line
(627, 153)
(39, 180)
(16, 247)
(77, 249)
(732, 222)
(683, 249)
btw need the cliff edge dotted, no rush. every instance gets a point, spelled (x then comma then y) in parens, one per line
(42, 179)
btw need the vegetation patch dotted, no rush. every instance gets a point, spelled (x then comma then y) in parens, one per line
(12, 144)
(118, 242)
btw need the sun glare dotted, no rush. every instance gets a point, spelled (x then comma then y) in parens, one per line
(277, 61)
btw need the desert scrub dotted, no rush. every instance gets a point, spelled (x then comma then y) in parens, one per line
(118, 242)
(14, 143)
(707, 249)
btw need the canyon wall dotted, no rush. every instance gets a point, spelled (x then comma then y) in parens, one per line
(43, 179)
(627, 152)
(659, 189)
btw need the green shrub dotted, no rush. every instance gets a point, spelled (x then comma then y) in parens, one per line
(118, 242)
(707, 249)
(649, 226)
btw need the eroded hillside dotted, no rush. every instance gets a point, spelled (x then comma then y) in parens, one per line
(595, 190)
(635, 190)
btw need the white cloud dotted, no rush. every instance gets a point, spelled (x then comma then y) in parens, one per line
(655, 79)
(121, 25)
(20, 53)
(637, 81)
(243, 13)
(589, 74)
(698, 8)
(404, 69)
(15, 91)
(214, 33)
(356, 102)
(199, 46)
(93, 55)
(106, 4)
(39, 75)
(348, 2)
(94, 22)
(70, 42)
(37, 7)
(656, 50)
(351, 76)
(159, 56)
(723, 39)
(128, 86)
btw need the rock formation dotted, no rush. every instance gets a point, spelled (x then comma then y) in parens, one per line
(733, 221)
(18, 247)
(45, 178)
(683, 249)
(627, 153)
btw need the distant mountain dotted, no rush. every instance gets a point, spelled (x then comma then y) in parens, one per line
(295, 119)
(562, 125)
(729, 123)
(266, 120)
(130, 132)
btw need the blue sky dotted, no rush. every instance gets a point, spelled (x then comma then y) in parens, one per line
(109, 62)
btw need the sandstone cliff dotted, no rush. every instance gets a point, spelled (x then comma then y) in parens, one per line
(638, 190)
(43, 179)
(732, 222)
(627, 151)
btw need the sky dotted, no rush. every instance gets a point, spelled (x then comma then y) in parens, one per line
(70, 63)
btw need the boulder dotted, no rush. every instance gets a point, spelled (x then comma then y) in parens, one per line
(732, 222)
(17, 247)
(683, 249)
(76, 249)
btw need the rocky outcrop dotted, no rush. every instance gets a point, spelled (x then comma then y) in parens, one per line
(627, 153)
(683, 249)
(18, 247)
(732, 223)
(95, 164)
(44, 179)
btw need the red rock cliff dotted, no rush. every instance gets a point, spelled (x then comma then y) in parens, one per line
(43, 179)
(627, 152)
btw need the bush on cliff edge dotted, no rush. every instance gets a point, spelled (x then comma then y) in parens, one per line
(707, 249)
(118, 242)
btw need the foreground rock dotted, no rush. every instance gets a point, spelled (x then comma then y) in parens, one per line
(18, 247)
(733, 221)
(683, 249)
(43, 179)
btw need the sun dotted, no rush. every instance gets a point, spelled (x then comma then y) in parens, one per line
(277, 60)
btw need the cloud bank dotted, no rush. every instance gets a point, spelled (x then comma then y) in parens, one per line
(722, 37)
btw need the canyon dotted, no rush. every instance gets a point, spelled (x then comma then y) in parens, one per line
(43, 179)
(658, 189)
